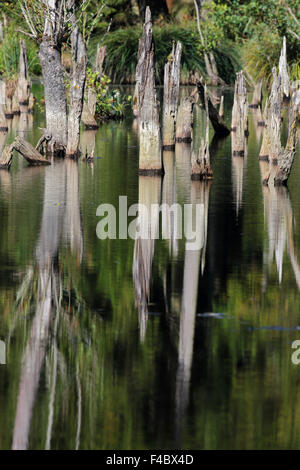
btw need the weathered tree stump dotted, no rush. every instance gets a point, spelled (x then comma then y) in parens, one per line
(3, 123)
(239, 123)
(24, 85)
(10, 88)
(150, 156)
(265, 145)
(185, 117)
(100, 58)
(30, 103)
(171, 94)
(283, 72)
(287, 155)
(257, 95)
(6, 157)
(221, 108)
(15, 103)
(76, 93)
(218, 124)
(200, 165)
(274, 118)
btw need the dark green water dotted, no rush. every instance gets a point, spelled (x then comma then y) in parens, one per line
(209, 366)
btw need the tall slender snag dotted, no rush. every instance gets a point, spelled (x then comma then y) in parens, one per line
(283, 71)
(150, 157)
(171, 94)
(239, 123)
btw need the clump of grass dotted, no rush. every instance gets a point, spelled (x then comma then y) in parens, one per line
(10, 55)
(122, 49)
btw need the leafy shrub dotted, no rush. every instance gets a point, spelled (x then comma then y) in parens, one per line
(110, 103)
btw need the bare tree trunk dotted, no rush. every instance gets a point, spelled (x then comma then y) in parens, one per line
(221, 108)
(185, 117)
(283, 71)
(171, 94)
(77, 93)
(239, 125)
(287, 155)
(217, 123)
(23, 88)
(55, 93)
(100, 58)
(265, 146)
(3, 123)
(150, 160)
(274, 118)
(201, 165)
(257, 95)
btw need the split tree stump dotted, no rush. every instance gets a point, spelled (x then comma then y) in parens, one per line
(171, 94)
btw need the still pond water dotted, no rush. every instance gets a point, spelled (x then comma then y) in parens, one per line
(206, 362)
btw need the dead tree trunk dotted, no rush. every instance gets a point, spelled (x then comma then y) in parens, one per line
(201, 165)
(257, 95)
(76, 93)
(274, 118)
(100, 58)
(150, 158)
(23, 88)
(55, 93)
(221, 108)
(217, 123)
(239, 123)
(3, 123)
(15, 103)
(6, 157)
(10, 88)
(185, 117)
(265, 145)
(30, 103)
(287, 155)
(283, 72)
(26, 150)
(171, 94)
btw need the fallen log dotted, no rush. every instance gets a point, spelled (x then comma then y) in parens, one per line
(31, 154)
(218, 124)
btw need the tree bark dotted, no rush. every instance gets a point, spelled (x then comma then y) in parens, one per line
(257, 95)
(55, 93)
(287, 155)
(23, 88)
(201, 165)
(218, 124)
(185, 117)
(3, 123)
(171, 94)
(150, 156)
(77, 93)
(283, 71)
(100, 58)
(239, 125)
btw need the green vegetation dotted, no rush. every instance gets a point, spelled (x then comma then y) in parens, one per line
(241, 33)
